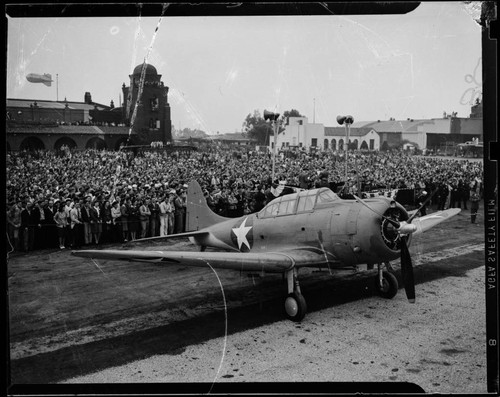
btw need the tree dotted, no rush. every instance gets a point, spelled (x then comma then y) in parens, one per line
(257, 128)
(289, 113)
(284, 118)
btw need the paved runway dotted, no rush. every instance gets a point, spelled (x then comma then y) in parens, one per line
(72, 320)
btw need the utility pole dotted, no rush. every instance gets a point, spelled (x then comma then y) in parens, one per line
(274, 118)
(314, 110)
(347, 120)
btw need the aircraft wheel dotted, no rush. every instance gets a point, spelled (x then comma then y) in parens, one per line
(295, 306)
(389, 287)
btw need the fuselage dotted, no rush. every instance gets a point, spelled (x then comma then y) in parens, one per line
(345, 229)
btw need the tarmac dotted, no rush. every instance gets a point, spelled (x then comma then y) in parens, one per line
(74, 321)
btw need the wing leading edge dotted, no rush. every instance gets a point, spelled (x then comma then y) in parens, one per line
(270, 262)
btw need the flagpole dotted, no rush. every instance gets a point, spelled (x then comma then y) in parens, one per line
(314, 110)
(274, 119)
(274, 148)
(347, 120)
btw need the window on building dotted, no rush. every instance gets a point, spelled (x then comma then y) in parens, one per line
(314, 142)
(157, 124)
(154, 104)
(372, 144)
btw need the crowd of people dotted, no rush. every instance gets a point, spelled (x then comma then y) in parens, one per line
(80, 198)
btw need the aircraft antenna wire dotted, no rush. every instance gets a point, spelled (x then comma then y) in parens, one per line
(320, 240)
(11, 246)
(225, 325)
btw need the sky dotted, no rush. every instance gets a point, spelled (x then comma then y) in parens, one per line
(220, 69)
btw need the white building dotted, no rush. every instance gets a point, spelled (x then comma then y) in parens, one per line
(300, 133)
(376, 135)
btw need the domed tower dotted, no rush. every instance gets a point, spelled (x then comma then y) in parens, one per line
(152, 117)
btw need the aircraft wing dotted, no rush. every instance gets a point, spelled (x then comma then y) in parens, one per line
(270, 262)
(426, 222)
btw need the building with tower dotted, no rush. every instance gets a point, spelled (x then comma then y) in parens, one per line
(150, 116)
(48, 125)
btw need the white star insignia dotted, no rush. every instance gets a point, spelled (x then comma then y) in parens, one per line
(241, 234)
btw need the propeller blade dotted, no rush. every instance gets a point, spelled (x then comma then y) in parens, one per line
(396, 224)
(407, 270)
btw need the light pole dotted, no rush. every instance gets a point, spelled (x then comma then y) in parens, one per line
(347, 120)
(274, 118)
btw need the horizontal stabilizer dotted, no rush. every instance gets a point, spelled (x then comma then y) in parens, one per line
(168, 236)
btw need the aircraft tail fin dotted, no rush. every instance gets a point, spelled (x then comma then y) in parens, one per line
(48, 82)
(198, 213)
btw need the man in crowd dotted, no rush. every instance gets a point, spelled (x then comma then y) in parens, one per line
(14, 223)
(475, 197)
(76, 225)
(33, 176)
(87, 232)
(29, 221)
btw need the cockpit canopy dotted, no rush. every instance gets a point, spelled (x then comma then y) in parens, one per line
(296, 203)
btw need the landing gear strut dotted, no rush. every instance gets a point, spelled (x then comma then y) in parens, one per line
(295, 304)
(386, 282)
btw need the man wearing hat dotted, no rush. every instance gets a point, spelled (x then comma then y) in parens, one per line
(28, 224)
(475, 197)
(180, 211)
(164, 207)
(171, 211)
(40, 230)
(421, 200)
(14, 223)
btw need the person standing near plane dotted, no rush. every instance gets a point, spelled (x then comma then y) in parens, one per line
(171, 211)
(133, 224)
(144, 214)
(87, 233)
(61, 222)
(14, 224)
(421, 200)
(76, 223)
(124, 209)
(116, 219)
(96, 221)
(154, 208)
(163, 207)
(475, 197)
(28, 223)
(180, 211)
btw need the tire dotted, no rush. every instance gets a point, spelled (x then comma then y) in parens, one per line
(389, 288)
(295, 307)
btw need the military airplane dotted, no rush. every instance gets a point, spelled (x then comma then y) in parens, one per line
(308, 228)
(40, 78)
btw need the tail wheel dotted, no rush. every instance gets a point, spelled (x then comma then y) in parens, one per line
(295, 306)
(389, 286)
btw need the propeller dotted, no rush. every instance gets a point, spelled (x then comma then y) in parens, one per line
(404, 228)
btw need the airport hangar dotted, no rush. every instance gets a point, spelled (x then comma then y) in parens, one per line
(42, 124)
(432, 134)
